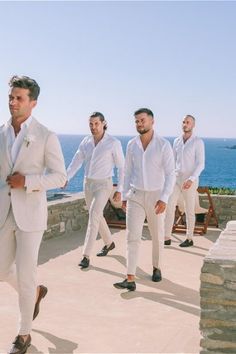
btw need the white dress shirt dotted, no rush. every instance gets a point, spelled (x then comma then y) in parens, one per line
(151, 169)
(189, 157)
(14, 142)
(99, 160)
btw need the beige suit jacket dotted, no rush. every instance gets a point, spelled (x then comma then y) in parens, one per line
(41, 161)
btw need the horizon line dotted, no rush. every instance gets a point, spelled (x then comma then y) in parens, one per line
(130, 135)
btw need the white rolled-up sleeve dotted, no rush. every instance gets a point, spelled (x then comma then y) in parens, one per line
(169, 172)
(76, 163)
(119, 162)
(199, 160)
(127, 172)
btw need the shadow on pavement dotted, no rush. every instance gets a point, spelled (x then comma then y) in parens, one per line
(58, 246)
(176, 295)
(59, 345)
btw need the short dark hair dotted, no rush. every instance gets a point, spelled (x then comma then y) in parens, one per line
(26, 82)
(190, 116)
(144, 110)
(101, 118)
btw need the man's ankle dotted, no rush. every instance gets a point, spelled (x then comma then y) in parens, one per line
(130, 278)
(24, 336)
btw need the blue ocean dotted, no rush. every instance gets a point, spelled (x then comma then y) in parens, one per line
(220, 169)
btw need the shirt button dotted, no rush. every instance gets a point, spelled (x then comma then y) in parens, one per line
(9, 193)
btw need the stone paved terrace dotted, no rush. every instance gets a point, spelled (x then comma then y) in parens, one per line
(84, 313)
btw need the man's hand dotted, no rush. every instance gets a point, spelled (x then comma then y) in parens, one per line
(16, 180)
(124, 203)
(187, 184)
(117, 197)
(160, 207)
(65, 185)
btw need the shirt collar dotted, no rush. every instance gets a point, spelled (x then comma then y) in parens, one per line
(25, 124)
(189, 139)
(105, 136)
(138, 139)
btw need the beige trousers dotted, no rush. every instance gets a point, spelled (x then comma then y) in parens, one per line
(97, 193)
(189, 196)
(18, 266)
(140, 205)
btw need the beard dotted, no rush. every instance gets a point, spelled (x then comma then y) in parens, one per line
(143, 131)
(14, 112)
(187, 130)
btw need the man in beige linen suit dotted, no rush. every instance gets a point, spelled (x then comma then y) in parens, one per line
(31, 162)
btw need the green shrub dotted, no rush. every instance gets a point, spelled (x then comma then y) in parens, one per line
(222, 191)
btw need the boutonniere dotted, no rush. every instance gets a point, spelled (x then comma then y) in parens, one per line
(29, 139)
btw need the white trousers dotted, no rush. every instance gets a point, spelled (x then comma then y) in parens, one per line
(189, 196)
(18, 266)
(141, 205)
(97, 193)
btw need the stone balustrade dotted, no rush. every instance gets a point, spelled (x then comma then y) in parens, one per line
(218, 295)
(70, 212)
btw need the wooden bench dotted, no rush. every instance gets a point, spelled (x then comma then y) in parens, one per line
(116, 217)
(204, 216)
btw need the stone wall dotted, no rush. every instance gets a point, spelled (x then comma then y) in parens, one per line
(66, 214)
(218, 295)
(225, 207)
(70, 212)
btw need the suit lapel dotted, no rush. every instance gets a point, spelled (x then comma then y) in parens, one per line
(24, 148)
(5, 147)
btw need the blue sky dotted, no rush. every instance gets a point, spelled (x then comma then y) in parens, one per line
(115, 57)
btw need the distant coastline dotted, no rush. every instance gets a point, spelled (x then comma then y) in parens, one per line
(231, 147)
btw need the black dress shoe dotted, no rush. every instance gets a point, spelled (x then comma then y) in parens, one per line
(186, 243)
(84, 263)
(106, 249)
(125, 284)
(42, 293)
(156, 275)
(167, 242)
(19, 346)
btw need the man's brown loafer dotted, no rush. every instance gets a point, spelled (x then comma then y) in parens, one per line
(19, 346)
(42, 293)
